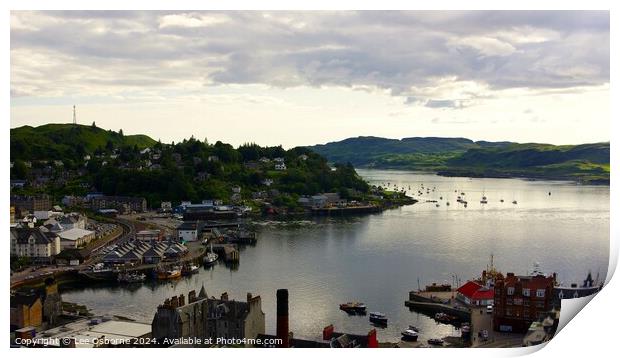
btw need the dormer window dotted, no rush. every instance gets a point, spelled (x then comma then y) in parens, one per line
(540, 293)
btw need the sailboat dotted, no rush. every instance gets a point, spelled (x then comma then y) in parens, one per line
(484, 198)
(210, 257)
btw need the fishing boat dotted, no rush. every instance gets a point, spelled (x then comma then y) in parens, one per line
(409, 334)
(189, 269)
(210, 257)
(353, 307)
(444, 318)
(378, 318)
(435, 341)
(168, 274)
(131, 277)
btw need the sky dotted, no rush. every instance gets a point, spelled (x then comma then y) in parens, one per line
(303, 78)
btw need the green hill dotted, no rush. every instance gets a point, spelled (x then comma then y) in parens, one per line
(68, 141)
(464, 157)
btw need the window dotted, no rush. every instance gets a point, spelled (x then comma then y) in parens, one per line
(540, 293)
(510, 291)
(526, 292)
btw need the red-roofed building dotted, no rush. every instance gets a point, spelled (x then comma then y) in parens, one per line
(473, 293)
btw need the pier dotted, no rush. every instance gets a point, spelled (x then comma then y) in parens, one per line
(431, 303)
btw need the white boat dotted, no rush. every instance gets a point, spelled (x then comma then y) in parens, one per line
(210, 257)
(409, 335)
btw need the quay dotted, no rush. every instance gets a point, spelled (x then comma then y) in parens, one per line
(433, 302)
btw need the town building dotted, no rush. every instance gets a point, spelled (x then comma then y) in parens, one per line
(31, 204)
(74, 238)
(123, 204)
(589, 287)
(474, 294)
(26, 311)
(204, 317)
(34, 243)
(150, 235)
(520, 300)
(280, 166)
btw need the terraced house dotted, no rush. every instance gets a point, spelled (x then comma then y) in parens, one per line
(35, 244)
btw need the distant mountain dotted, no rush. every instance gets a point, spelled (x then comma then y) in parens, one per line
(68, 141)
(464, 157)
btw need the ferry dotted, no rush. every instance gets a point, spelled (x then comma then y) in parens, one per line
(378, 318)
(353, 307)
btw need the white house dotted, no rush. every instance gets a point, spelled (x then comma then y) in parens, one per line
(34, 243)
(188, 231)
(280, 166)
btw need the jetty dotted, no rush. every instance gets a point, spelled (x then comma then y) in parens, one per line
(433, 302)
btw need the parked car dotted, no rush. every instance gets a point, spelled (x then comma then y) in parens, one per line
(490, 309)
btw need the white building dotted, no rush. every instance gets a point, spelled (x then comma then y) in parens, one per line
(34, 243)
(280, 166)
(74, 238)
(188, 231)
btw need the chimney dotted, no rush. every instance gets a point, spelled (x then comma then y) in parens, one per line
(181, 300)
(282, 317)
(191, 297)
(249, 297)
(174, 302)
(372, 339)
(224, 296)
(328, 332)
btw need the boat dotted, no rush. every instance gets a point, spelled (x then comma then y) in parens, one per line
(353, 307)
(447, 203)
(514, 201)
(437, 205)
(168, 274)
(189, 269)
(210, 257)
(409, 334)
(131, 277)
(435, 341)
(484, 200)
(501, 200)
(444, 318)
(378, 318)
(99, 272)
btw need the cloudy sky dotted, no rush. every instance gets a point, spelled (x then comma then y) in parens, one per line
(300, 78)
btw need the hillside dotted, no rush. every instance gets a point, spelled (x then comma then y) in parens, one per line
(464, 157)
(68, 141)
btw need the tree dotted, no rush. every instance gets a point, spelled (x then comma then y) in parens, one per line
(120, 133)
(19, 170)
(93, 126)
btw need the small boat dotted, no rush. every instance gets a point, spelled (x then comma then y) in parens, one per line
(169, 274)
(447, 203)
(378, 318)
(435, 341)
(353, 307)
(189, 269)
(514, 201)
(437, 205)
(501, 200)
(443, 317)
(210, 257)
(484, 200)
(409, 334)
(131, 277)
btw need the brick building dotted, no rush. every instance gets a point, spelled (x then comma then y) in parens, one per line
(520, 300)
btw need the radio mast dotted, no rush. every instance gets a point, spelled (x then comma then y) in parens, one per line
(74, 118)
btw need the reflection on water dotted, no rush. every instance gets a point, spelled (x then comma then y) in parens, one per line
(379, 258)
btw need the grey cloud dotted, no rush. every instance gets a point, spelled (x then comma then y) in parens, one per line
(386, 49)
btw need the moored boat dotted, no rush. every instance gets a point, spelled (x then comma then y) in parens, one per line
(210, 257)
(378, 318)
(353, 307)
(131, 277)
(189, 269)
(409, 334)
(435, 341)
(168, 274)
